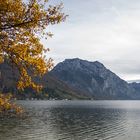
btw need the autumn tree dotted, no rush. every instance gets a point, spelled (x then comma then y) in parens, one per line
(22, 25)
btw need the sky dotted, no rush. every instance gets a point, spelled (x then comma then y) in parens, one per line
(107, 31)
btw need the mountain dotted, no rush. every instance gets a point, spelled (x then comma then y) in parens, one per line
(60, 90)
(136, 87)
(93, 79)
(73, 79)
(134, 81)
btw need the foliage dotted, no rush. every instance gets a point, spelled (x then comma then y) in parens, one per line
(22, 25)
(7, 107)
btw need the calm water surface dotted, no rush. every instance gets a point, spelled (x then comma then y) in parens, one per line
(75, 120)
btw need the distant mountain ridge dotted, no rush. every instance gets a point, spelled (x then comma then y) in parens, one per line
(134, 81)
(76, 79)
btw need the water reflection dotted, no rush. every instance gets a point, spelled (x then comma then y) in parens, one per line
(83, 123)
(74, 121)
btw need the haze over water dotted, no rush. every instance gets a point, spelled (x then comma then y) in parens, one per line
(75, 120)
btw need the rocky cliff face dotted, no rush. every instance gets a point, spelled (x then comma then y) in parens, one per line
(93, 79)
(136, 87)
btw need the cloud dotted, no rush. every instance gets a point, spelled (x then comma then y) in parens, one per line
(107, 31)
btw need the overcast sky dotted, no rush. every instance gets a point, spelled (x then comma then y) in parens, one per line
(103, 30)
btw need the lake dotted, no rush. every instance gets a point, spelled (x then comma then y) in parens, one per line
(75, 120)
